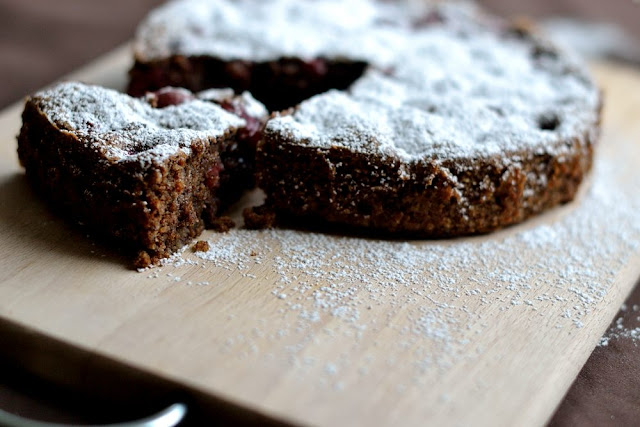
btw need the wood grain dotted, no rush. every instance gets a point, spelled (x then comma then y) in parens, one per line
(460, 343)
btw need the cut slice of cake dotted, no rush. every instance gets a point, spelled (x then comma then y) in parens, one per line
(148, 172)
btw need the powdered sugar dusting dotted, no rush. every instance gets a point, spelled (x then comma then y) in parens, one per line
(265, 30)
(433, 297)
(250, 106)
(453, 95)
(123, 128)
(445, 81)
(625, 328)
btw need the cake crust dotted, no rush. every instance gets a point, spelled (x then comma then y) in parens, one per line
(386, 197)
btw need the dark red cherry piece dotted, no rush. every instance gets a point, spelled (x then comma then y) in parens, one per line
(169, 96)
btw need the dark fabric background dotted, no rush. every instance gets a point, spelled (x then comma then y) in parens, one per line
(625, 13)
(41, 40)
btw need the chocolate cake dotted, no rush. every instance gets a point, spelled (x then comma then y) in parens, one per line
(148, 173)
(446, 122)
(417, 119)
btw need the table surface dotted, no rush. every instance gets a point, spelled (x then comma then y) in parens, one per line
(605, 391)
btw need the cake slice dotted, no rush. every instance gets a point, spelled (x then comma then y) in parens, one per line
(148, 173)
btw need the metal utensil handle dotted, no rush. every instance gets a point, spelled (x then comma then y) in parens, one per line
(168, 417)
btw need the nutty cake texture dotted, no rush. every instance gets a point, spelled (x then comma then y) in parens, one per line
(145, 172)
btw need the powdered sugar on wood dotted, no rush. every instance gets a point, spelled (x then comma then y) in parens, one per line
(432, 297)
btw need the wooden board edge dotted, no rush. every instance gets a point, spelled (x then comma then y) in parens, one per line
(70, 367)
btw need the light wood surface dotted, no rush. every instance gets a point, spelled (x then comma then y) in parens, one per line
(488, 330)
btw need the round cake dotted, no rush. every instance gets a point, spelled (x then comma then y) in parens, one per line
(424, 119)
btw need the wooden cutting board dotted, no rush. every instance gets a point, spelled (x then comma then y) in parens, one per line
(333, 330)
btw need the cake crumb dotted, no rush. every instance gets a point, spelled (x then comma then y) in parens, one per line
(259, 217)
(142, 260)
(222, 224)
(201, 246)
